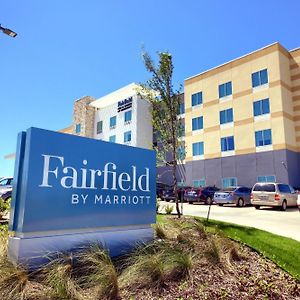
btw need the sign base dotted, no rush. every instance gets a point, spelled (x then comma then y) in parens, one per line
(34, 251)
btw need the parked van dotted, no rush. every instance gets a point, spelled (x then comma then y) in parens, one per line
(273, 194)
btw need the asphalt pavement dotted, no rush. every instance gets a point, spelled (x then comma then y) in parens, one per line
(284, 223)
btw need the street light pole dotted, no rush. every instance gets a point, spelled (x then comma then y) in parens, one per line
(8, 31)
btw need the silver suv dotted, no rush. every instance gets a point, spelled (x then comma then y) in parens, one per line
(273, 194)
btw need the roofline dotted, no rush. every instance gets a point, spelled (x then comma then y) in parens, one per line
(240, 57)
(295, 49)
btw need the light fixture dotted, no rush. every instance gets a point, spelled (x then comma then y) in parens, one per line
(8, 31)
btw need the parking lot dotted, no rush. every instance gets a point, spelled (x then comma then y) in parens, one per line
(285, 223)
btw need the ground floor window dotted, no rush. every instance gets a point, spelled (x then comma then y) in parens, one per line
(199, 182)
(229, 182)
(266, 178)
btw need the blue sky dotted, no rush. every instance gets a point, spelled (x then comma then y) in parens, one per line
(66, 49)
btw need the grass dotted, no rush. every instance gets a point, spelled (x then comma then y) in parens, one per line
(285, 252)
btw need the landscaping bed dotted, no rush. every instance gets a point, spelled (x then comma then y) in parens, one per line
(187, 260)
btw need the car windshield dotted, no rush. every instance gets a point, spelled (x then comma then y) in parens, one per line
(264, 188)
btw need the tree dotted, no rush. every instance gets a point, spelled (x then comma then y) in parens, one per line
(167, 126)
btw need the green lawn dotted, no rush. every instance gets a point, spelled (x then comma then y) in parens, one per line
(285, 252)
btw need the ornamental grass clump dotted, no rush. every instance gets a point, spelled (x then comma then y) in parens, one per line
(168, 209)
(99, 273)
(58, 275)
(155, 264)
(160, 232)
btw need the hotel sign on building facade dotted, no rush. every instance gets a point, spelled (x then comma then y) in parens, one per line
(70, 191)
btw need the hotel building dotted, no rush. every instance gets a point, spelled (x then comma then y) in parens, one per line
(120, 117)
(242, 120)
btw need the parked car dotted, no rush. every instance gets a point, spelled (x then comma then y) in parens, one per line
(200, 194)
(298, 202)
(240, 196)
(5, 183)
(6, 195)
(168, 193)
(160, 187)
(273, 194)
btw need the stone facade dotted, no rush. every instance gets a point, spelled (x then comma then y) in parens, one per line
(84, 114)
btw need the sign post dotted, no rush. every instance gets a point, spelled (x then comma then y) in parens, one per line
(71, 191)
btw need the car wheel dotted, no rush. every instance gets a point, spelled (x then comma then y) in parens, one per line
(190, 202)
(257, 207)
(208, 201)
(220, 204)
(283, 205)
(240, 202)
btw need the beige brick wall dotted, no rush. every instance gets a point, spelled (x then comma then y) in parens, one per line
(84, 114)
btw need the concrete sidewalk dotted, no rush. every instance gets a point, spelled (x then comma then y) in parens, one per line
(284, 223)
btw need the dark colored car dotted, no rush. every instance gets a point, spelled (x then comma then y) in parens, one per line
(5, 196)
(200, 194)
(240, 196)
(168, 194)
(160, 187)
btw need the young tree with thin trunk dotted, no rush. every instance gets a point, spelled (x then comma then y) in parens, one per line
(167, 126)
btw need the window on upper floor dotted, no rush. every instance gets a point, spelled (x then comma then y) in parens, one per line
(261, 107)
(266, 178)
(112, 138)
(197, 99)
(259, 78)
(227, 143)
(181, 108)
(99, 127)
(225, 89)
(199, 182)
(226, 116)
(112, 122)
(128, 116)
(78, 128)
(229, 182)
(198, 148)
(197, 123)
(127, 136)
(263, 137)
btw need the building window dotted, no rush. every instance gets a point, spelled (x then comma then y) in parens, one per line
(127, 136)
(99, 127)
(261, 107)
(263, 137)
(197, 123)
(225, 89)
(112, 138)
(78, 128)
(199, 183)
(226, 116)
(227, 143)
(197, 99)
(266, 178)
(259, 78)
(229, 182)
(198, 148)
(181, 108)
(128, 116)
(112, 122)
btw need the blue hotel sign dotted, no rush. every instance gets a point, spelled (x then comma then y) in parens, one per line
(72, 190)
